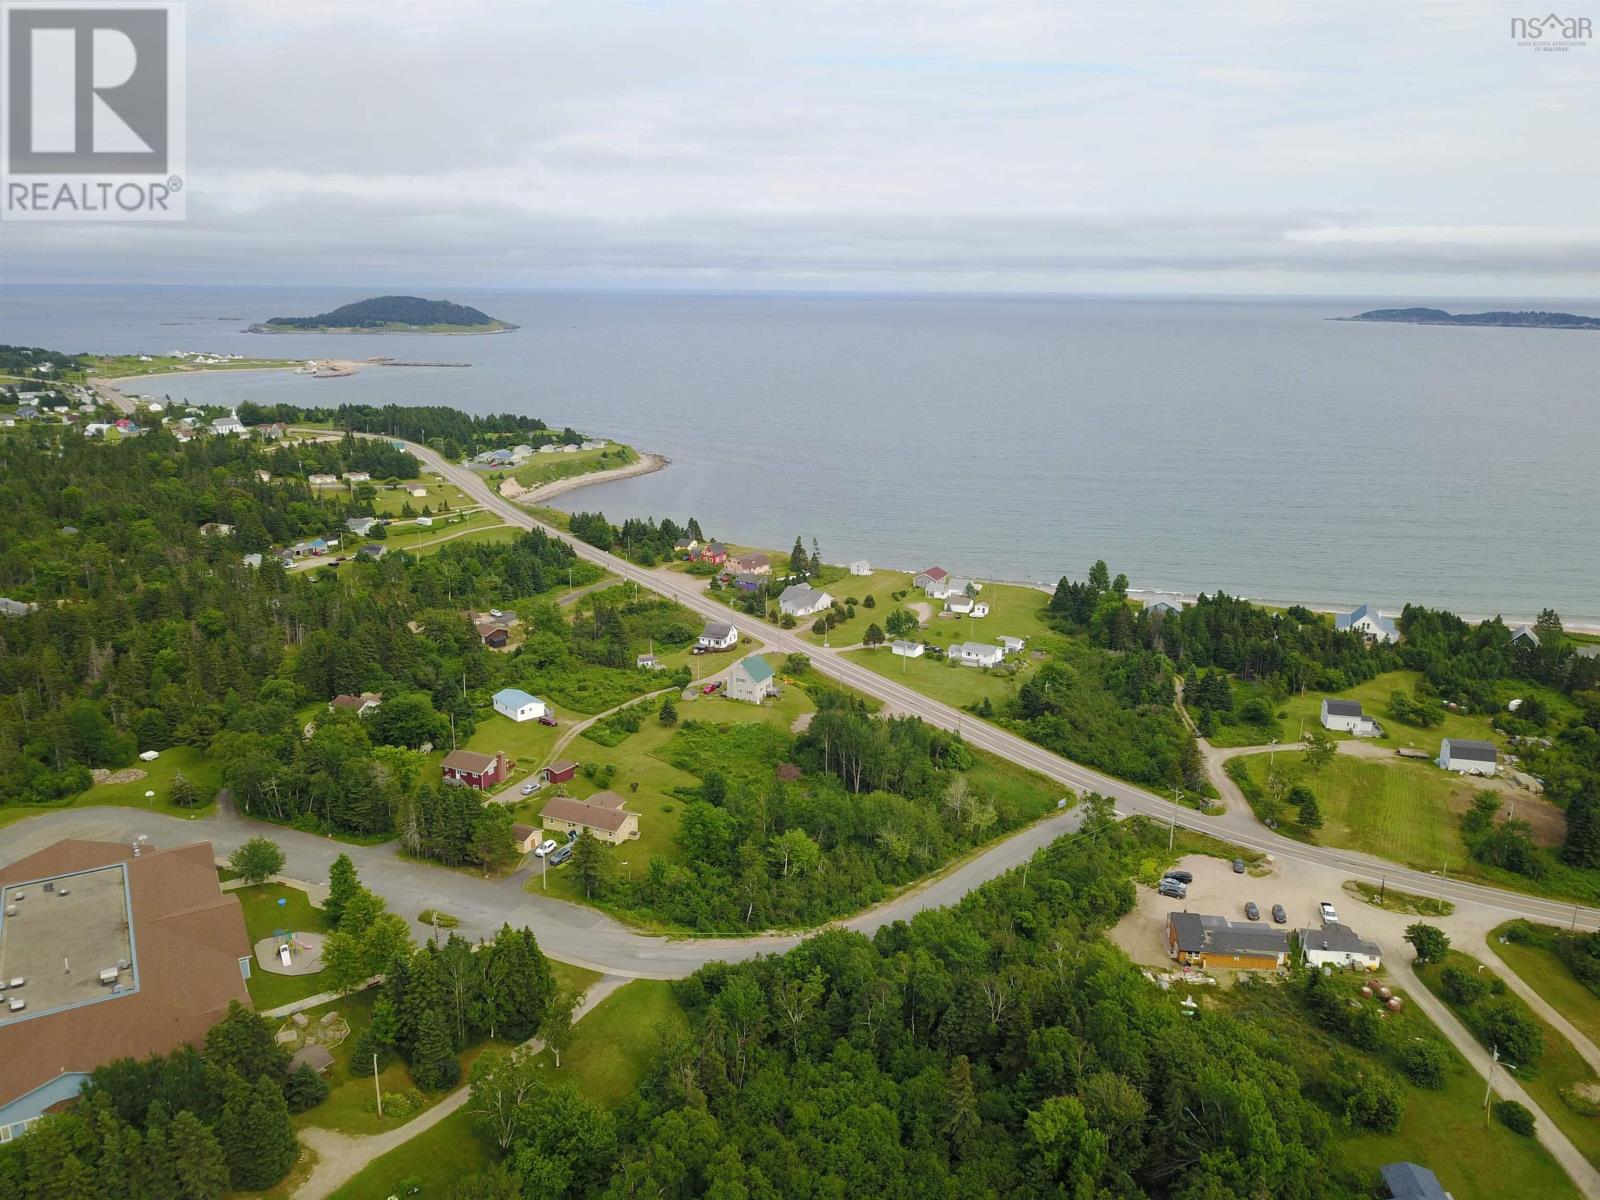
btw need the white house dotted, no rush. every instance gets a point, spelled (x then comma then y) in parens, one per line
(648, 662)
(1336, 945)
(1369, 621)
(1525, 633)
(321, 480)
(801, 600)
(907, 649)
(1012, 645)
(976, 654)
(964, 605)
(861, 567)
(360, 526)
(718, 635)
(357, 477)
(417, 492)
(751, 680)
(951, 585)
(1467, 756)
(229, 425)
(1346, 716)
(1165, 605)
(518, 705)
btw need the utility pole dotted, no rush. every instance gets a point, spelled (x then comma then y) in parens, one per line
(376, 1090)
(1172, 832)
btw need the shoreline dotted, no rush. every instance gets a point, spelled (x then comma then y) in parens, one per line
(650, 462)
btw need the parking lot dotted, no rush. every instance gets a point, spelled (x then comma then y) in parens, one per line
(1217, 890)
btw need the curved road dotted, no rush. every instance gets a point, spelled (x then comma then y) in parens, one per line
(1240, 828)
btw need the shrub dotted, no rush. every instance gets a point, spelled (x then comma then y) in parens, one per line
(304, 1090)
(1461, 987)
(1374, 1103)
(1424, 1064)
(1514, 1116)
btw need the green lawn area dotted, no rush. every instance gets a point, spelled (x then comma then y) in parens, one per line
(157, 778)
(1240, 733)
(1398, 810)
(1543, 971)
(117, 366)
(262, 915)
(1559, 1066)
(1442, 1129)
(1305, 711)
(547, 468)
(954, 685)
(441, 497)
(638, 761)
(612, 1051)
(880, 585)
(413, 537)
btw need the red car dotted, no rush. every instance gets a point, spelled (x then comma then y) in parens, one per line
(546, 719)
(709, 688)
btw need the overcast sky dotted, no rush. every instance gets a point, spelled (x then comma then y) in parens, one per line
(1367, 149)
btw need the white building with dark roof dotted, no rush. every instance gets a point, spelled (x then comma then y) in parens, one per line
(1467, 756)
(1367, 620)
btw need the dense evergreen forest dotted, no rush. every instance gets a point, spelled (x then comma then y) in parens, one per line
(998, 1048)
(450, 431)
(149, 635)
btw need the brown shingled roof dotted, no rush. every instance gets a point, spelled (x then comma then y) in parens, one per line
(595, 816)
(188, 937)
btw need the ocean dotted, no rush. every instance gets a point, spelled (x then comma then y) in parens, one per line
(1248, 445)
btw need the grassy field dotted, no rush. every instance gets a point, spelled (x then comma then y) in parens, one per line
(157, 778)
(118, 366)
(1398, 810)
(1443, 1130)
(441, 497)
(1305, 711)
(262, 915)
(1394, 900)
(415, 537)
(638, 762)
(612, 1050)
(880, 585)
(1545, 973)
(1558, 1067)
(955, 685)
(547, 468)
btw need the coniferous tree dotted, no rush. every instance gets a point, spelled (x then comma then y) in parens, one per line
(343, 883)
(199, 1167)
(433, 1060)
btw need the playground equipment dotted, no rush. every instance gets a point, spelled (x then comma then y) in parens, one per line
(288, 943)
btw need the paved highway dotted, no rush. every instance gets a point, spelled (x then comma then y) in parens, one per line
(1240, 828)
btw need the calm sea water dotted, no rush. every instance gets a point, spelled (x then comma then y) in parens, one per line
(1252, 446)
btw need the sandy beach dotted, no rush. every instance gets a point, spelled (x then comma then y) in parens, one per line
(648, 462)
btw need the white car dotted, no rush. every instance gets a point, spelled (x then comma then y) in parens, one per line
(1330, 915)
(532, 786)
(544, 847)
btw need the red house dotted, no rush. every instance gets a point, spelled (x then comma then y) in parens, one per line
(559, 772)
(475, 770)
(714, 552)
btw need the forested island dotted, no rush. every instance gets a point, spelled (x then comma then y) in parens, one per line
(1503, 320)
(390, 314)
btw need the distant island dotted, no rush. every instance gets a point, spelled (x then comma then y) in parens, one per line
(390, 314)
(1504, 320)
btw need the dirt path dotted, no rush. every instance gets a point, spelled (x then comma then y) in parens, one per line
(341, 1155)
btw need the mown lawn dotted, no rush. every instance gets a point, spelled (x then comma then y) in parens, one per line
(263, 915)
(1397, 810)
(1559, 1066)
(1304, 711)
(638, 760)
(1443, 1130)
(415, 537)
(880, 585)
(612, 1050)
(1545, 973)
(547, 468)
(441, 497)
(955, 685)
(158, 777)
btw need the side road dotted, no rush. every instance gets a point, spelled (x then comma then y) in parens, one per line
(341, 1155)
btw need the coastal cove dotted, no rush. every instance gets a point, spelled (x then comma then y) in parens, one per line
(1252, 446)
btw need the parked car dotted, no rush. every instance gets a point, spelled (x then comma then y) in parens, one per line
(1171, 887)
(1180, 876)
(710, 688)
(532, 786)
(544, 847)
(1251, 911)
(546, 719)
(1330, 915)
(1238, 866)
(697, 650)
(560, 854)
(1279, 917)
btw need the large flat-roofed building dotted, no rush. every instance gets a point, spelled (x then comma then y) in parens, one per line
(108, 952)
(1205, 941)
